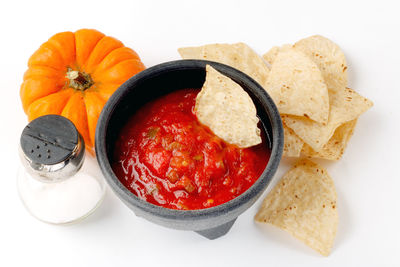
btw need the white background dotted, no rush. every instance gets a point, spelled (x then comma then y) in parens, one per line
(367, 177)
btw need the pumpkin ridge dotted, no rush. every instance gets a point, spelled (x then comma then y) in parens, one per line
(114, 57)
(45, 105)
(120, 72)
(87, 59)
(44, 65)
(46, 55)
(77, 101)
(103, 48)
(34, 89)
(87, 117)
(67, 53)
(105, 90)
(94, 104)
(107, 68)
(37, 72)
(78, 55)
(91, 142)
(54, 48)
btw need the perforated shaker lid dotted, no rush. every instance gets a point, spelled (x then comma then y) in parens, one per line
(52, 148)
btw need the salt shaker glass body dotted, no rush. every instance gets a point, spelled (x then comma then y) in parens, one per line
(57, 182)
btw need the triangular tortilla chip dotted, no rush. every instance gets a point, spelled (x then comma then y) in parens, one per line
(329, 58)
(274, 51)
(303, 203)
(334, 149)
(292, 143)
(296, 85)
(227, 110)
(239, 56)
(346, 105)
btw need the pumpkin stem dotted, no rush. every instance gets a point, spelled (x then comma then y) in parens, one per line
(79, 80)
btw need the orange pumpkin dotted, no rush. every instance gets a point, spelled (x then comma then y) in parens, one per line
(74, 74)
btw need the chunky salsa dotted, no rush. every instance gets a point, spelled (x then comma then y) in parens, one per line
(166, 157)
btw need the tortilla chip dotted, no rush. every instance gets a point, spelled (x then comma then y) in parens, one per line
(334, 149)
(329, 58)
(346, 105)
(292, 143)
(239, 56)
(303, 203)
(296, 85)
(227, 110)
(273, 52)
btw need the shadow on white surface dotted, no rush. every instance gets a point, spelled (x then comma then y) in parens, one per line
(107, 209)
(351, 71)
(345, 223)
(285, 240)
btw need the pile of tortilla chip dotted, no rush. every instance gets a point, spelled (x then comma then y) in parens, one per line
(308, 83)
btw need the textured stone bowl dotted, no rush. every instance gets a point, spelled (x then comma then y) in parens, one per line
(163, 79)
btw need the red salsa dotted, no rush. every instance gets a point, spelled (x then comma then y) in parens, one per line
(166, 157)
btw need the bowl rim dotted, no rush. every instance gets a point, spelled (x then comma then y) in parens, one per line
(189, 215)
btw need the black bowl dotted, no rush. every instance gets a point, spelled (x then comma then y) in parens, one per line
(160, 80)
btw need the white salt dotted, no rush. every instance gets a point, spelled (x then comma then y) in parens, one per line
(65, 201)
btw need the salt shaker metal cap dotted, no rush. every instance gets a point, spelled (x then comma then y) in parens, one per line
(51, 148)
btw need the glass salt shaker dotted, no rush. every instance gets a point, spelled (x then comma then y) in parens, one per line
(58, 183)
